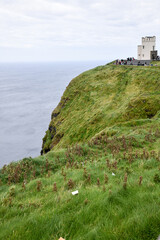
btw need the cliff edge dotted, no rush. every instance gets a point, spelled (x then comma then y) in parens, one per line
(103, 97)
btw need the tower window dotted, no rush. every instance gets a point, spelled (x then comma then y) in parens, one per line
(143, 47)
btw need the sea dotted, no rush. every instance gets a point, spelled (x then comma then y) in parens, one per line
(29, 92)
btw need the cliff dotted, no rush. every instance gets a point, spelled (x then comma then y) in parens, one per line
(103, 97)
(103, 141)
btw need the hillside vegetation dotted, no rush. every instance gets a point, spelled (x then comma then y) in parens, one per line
(103, 97)
(105, 139)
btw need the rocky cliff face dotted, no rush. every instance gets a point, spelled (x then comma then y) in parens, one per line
(100, 98)
(51, 137)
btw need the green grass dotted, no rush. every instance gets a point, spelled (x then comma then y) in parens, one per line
(104, 211)
(100, 98)
(108, 121)
(155, 63)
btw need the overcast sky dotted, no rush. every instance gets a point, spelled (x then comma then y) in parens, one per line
(51, 30)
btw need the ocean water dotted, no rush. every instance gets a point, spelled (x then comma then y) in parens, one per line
(29, 92)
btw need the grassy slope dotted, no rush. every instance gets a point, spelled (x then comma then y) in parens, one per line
(156, 63)
(103, 97)
(126, 143)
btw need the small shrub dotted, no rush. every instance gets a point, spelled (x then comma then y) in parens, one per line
(89, 178)
(64, 174)
(140, 180)
(85, 175)
(24, 185)
(55, 187)
(156, 178)
(12, 192)
(34, 174)
(86, 201)
(125, 181)
(47, 165)
(105, 178)
(70, 184)
(39, 185)
(98, 182)
(49, 173)
(110, 191)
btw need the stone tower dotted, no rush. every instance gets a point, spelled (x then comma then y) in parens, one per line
(147, 51)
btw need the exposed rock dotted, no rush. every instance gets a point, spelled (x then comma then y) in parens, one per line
(56, 140)
(52, 130)
(51, 139)
(54, 114)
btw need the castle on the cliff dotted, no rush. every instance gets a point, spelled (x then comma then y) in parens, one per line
(147, 53)
(147, 50)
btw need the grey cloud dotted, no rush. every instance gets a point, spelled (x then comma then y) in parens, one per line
(77, 23)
